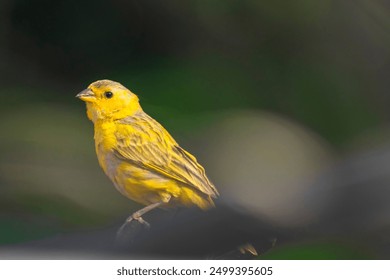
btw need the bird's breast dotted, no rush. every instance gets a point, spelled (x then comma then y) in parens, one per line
(105, 142)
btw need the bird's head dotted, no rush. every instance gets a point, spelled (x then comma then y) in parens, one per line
(108, 100)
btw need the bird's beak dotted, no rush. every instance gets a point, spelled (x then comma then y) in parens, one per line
(86, 95)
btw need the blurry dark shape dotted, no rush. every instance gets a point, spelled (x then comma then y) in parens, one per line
(203, 234)
(183, 234)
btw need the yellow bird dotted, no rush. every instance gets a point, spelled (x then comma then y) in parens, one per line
(140, 157)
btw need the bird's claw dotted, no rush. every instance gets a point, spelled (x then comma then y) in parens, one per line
(135, 217)
(138, 219)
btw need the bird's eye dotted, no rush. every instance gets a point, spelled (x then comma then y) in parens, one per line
(108, 94)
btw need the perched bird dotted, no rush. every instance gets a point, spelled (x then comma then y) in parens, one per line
(140, 157)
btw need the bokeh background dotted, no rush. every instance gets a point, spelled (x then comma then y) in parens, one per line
(284, 102)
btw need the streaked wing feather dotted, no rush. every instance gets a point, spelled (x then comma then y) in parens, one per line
(147, 144)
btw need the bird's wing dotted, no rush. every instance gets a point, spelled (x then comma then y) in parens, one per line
(144, 142)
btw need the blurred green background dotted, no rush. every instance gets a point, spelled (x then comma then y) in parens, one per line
(266, 94)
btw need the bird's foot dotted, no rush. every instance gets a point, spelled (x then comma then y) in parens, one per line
(138, 218)
(128, 221)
